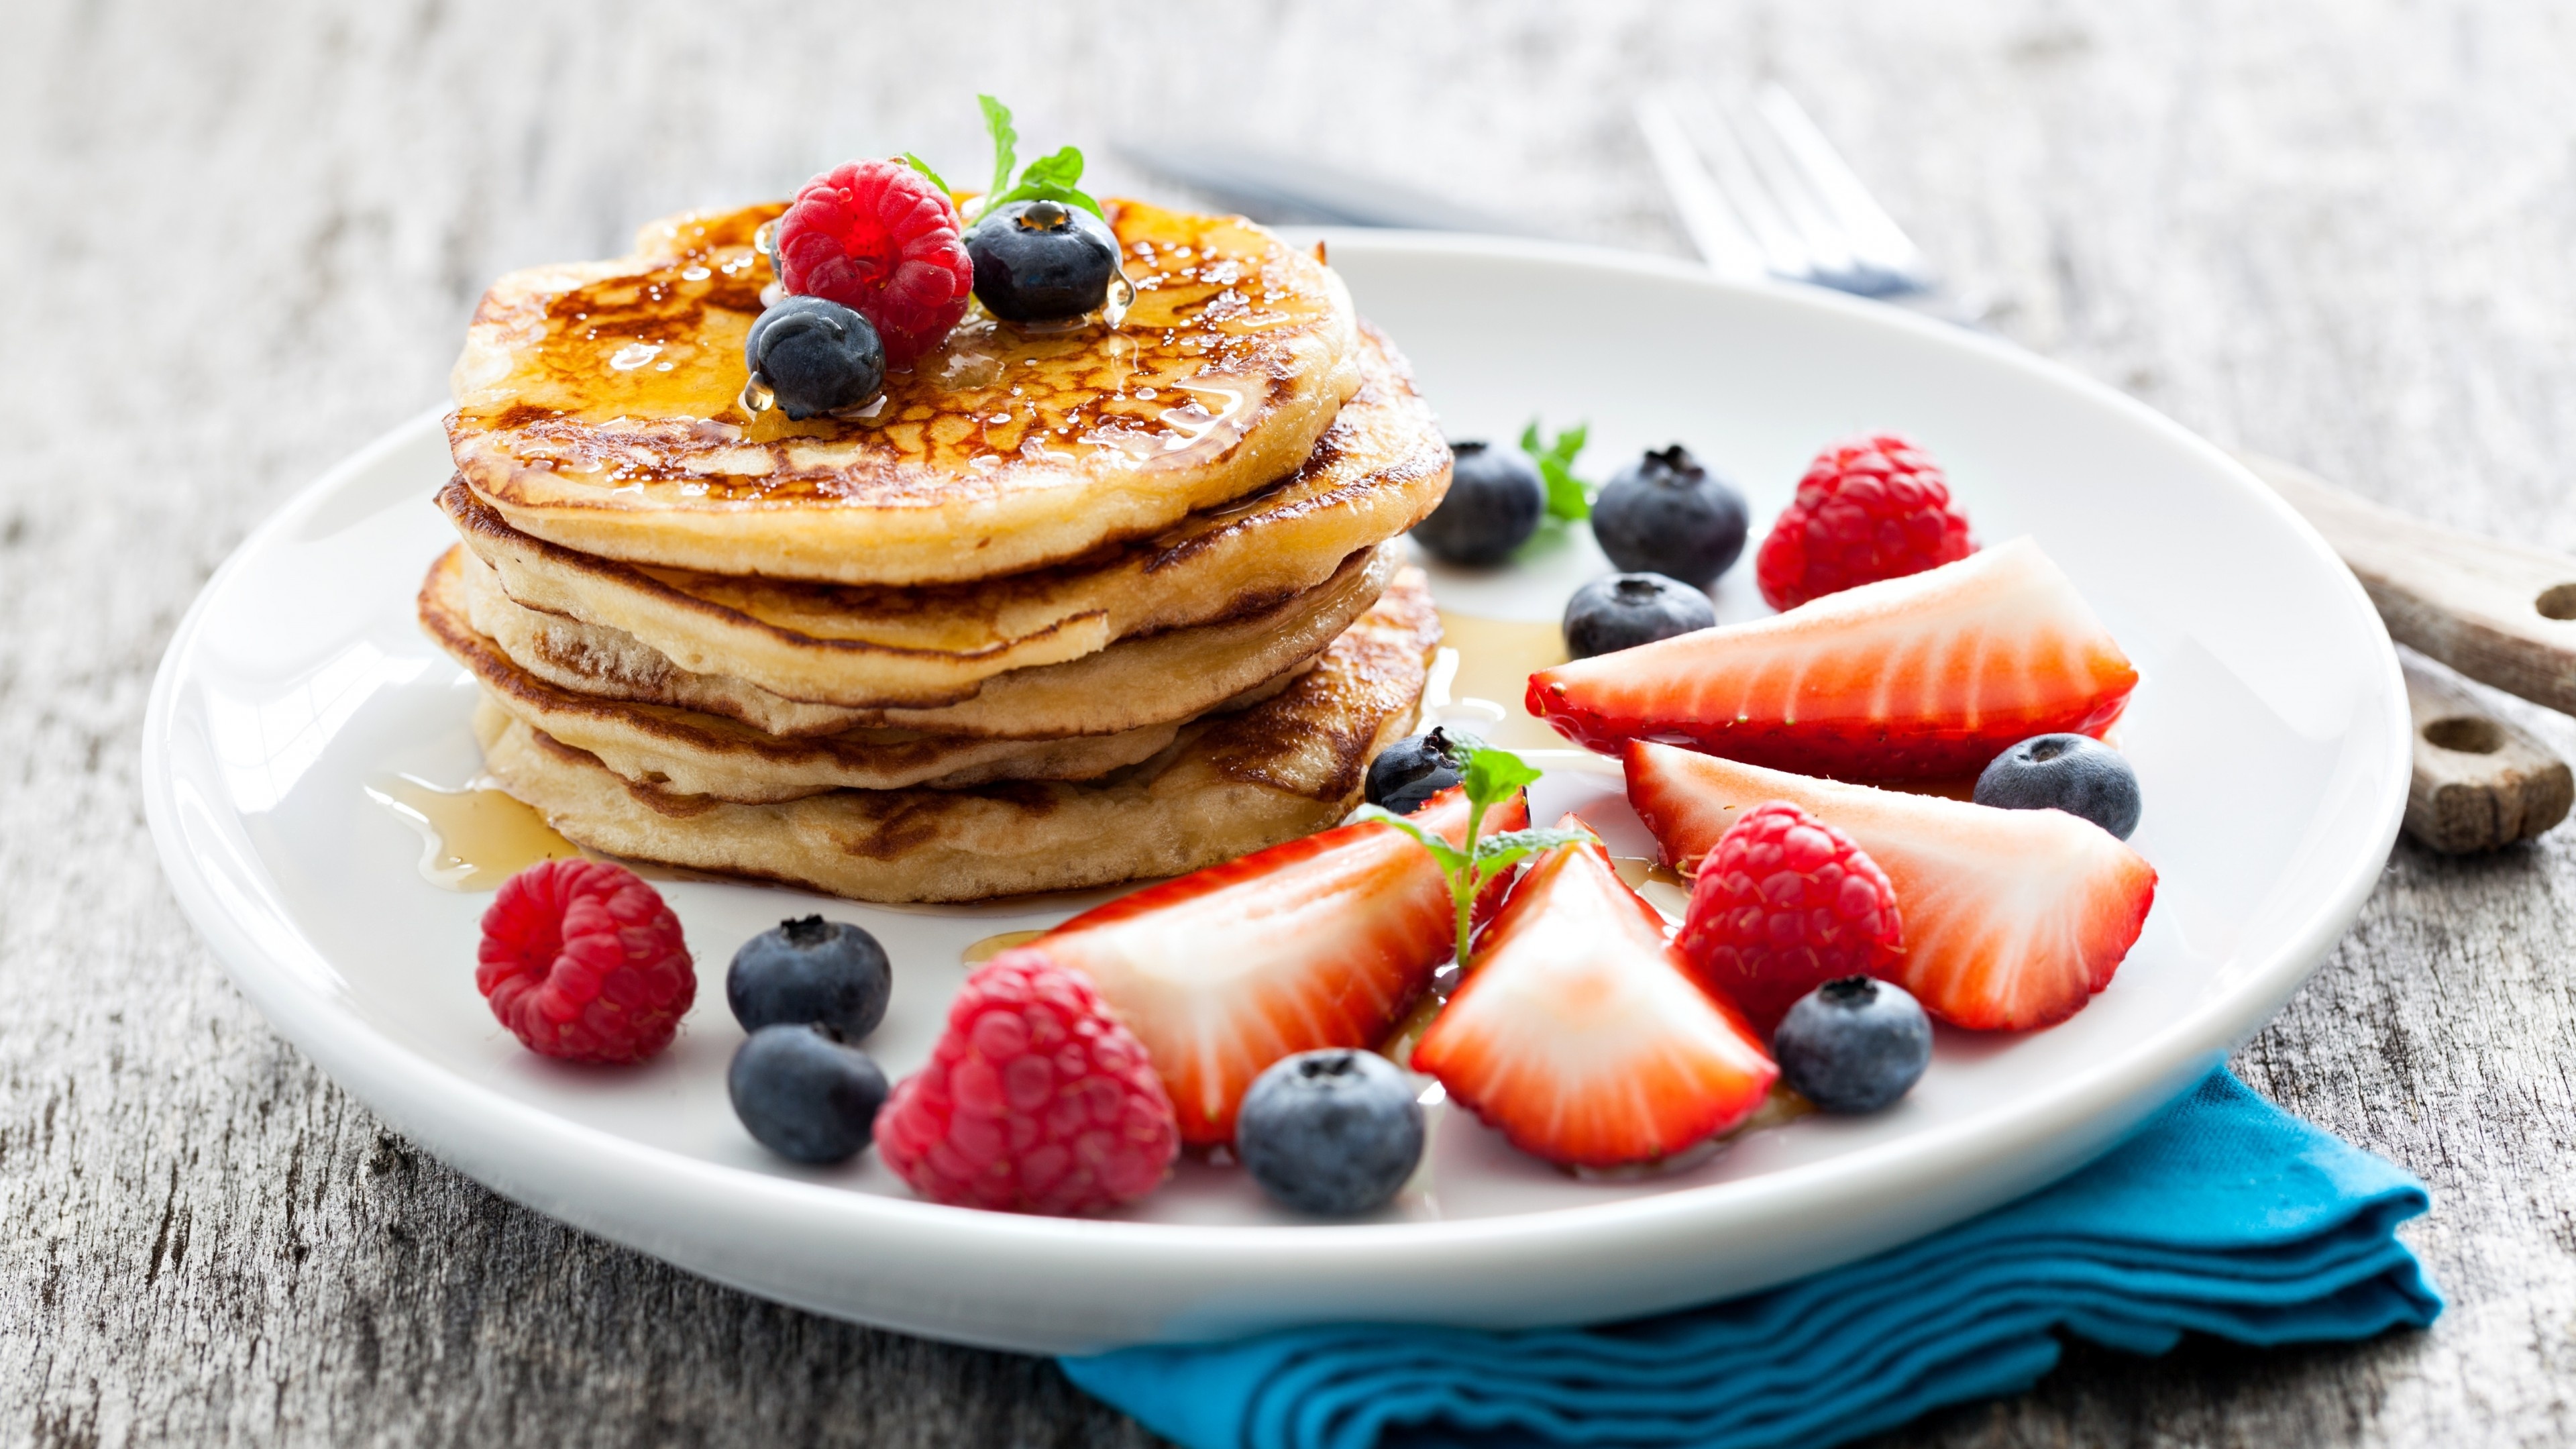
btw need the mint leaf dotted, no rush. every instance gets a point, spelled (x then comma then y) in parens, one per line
(1489, 777)
(1492, 775)
(1049, 178)
(917, 164)
(1451, 859)
(1006, 154)
(1568, 497)
(1509, 848)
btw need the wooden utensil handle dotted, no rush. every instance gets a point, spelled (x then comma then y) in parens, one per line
(2497, 612)
(2480, 782)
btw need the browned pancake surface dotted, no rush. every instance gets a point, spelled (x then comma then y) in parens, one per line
(598, 406)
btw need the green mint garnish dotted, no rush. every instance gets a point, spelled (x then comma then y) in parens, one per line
(1490, 777)
(1568, 497)
(1048, 178)
(1006, 142)
(917, 164)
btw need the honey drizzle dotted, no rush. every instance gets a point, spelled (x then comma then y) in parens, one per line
(1487, 664)
(1664, 888)
(979, 952)
(473, 838)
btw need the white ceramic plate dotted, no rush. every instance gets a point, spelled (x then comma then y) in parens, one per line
(2270, 736)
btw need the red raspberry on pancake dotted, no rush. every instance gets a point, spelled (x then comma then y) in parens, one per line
(883, 240)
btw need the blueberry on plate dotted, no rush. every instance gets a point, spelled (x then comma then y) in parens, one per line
(1495, 499)
(1412, 770)
(1042, 261)
(1622, 611)
(1854, 1044)
(1331, 1132)
(2074, 773)
(803, 1094)
(811, 971)
(1666, 514)
(815, 356)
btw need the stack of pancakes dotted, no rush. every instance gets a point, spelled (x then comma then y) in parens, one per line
(1062, 607)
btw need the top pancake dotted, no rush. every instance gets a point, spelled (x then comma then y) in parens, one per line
(598, 408)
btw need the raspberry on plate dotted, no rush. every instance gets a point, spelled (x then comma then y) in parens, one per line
(1784, 904)
(1035, 1100)
(880, 239)
(1872, 508)
(583, 962)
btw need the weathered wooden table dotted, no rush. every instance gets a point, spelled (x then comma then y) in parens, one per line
(241, 240)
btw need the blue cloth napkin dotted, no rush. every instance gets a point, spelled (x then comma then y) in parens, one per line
(2222, 1215)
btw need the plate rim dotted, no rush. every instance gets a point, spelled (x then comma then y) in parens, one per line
(423, 1099)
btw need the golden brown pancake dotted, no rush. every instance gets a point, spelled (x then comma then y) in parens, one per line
(1229, 785)
(1377, 471)
(688, 753)
(1150, 680)
(597, 408)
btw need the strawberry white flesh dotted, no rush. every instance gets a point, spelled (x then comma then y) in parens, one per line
(1578, 1032)
(1922, 677)
(1321, 942)
(2013, 919)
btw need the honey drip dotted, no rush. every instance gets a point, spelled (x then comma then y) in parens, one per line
(979, 952)
(1664, 888)
(1490, 678)
(474, 838)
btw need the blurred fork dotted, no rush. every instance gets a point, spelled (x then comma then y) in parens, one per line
(1766, 194)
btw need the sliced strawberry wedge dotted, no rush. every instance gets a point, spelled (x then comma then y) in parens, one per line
(1580, 1034)
(1922, 677)
(1322, 942)
(2012, 918)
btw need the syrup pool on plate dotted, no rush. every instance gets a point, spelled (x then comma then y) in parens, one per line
(474, 838)
(980, 951)
(1484, 689)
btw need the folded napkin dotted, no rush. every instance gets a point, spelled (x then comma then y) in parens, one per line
(2222, 1215)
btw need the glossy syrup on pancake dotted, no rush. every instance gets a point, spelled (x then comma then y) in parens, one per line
(600, 406)
(1380, 467)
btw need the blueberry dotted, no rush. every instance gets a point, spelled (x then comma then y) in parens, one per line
(1495, 499)
(1853, 1044)
(2074, 773)
(1665, 514)
(1332, 1132)
(815, 355)
(1042, 261)
(811, 970)
(1622, 611)
(805, 1095)
(1412, 770)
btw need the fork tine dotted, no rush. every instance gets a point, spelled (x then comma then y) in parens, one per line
(1882, 254)
(1784, 250)
(1829, 253)
(1714, 227)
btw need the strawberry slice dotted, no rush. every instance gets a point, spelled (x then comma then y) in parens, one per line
(1922, 677)
(1321, 942)
(2012, 918)
(1580, 1034)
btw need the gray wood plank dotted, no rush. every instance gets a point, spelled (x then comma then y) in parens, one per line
(242, 240)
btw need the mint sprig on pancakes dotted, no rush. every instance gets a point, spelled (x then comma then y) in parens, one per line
(1052, 177)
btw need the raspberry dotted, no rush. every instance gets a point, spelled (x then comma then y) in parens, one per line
(1869, 509)
(1784, 904)
(1035, 1100)
(880, 239)
(582, 961)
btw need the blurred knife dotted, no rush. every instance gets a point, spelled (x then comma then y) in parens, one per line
(1270, 187)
